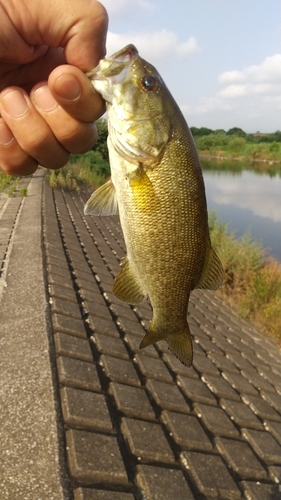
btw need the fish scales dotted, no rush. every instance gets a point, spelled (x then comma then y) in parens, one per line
(157, 184)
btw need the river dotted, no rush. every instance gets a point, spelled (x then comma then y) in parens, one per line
(246, 200)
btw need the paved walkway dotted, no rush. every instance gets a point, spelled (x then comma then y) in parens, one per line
(86, 415)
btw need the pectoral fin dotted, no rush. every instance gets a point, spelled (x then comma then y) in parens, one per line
(142, 189)
(103, 201)
(179, 342)
(126, 286)
(212, 273)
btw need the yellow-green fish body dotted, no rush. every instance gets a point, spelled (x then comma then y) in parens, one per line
(158, 186)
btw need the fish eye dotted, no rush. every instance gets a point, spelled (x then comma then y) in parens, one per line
(149, 83)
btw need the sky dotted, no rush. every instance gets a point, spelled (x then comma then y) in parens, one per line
(221, 59)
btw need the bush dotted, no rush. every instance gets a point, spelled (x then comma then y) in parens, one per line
(236, 144)
(89, 169)
(252, 282)
(212, 141)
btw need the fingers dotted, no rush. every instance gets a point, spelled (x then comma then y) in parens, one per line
(55, 120)
(33, 142)
(79, 27)
(74, 135)
(73, 90)
(13, 160)
(86, 38)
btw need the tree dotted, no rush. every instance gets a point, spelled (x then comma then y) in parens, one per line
(236, 131)
(200, 131)
(101, 145)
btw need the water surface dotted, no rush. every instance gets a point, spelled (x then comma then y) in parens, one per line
(247, 200)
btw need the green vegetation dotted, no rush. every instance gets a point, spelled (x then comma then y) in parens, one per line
(236, 144)
(101, 145)
(252, 281)
(91, 168)
(23, 192)
(5, 180)
(12, 186)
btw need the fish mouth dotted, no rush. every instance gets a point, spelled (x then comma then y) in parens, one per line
(127, 54)
(114, 65)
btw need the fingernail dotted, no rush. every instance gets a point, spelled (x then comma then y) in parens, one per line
(6, 136)
(43, 99)
(68, 87)
(15, 103)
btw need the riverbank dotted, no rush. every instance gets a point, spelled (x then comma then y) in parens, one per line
(254, 163)
(252, 281)
(253, 150)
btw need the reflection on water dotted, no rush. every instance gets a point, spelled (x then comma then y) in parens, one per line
(245, 199)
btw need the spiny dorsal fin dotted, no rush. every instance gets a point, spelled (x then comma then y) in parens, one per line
(126, 286)
(103, 201)
(212, 274)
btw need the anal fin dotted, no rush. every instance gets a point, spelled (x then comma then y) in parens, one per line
(126, 286)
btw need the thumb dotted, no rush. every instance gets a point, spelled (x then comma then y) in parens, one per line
(85, 44)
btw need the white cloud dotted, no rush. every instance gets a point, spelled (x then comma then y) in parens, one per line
(189, 47)
(268, 71)
(155, 46)
(250, 99)
(264, 78)
(233, 91)
(207, 105)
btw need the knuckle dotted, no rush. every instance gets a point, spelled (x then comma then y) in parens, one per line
(80, 139)
(34, 143)
(19, 164)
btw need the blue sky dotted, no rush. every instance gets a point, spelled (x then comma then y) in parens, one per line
(221, 59)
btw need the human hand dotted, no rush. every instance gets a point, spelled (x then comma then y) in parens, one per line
(47, 107)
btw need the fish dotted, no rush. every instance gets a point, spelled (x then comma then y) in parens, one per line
(157, 188)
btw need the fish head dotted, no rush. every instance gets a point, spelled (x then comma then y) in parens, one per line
(139, 105)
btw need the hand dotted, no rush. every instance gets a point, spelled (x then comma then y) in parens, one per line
(48, 107)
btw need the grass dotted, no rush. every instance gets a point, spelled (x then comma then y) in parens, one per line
(252, 281)
(23, 192)
(89, 169)
(6, 180)
(12, 187)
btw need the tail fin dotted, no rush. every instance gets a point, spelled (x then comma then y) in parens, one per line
(179, 343)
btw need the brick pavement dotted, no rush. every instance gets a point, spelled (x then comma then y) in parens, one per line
(31, 451)
(138, 424)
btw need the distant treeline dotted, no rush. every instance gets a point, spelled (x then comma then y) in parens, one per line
(237, 144)
(231, 144)
(238, 132)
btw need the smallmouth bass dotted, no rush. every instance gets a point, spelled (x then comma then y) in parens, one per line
(157, 186)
